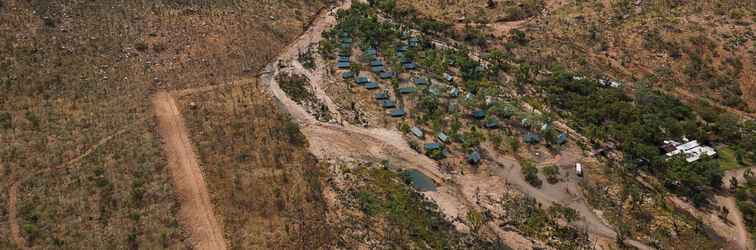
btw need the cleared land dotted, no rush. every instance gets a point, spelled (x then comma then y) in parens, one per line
(196, 209)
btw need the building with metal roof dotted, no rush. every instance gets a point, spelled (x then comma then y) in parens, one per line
(381, 96)
(454, 92)
(398, 112)
(562, 138)
(343, 65)
(491, 124)
(473, 157)
(377, 69)
(448, 77)
(421, 81)
(407, 90)
(531, 138)
(387, 104)
(371, 51)
(433, 146)
(371, 85)
(417, 132)
(376, 63)
(347, 75)
(387, 75)
(442, 137)
(479, 114)
(362, 80)
(343, 59)
(410, 66)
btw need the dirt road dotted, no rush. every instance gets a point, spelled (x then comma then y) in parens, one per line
(741, 237)
(196, 210)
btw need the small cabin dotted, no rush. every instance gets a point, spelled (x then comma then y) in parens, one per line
(343, 65)
(387, 75)
(371, 52)
(407, 90)
(448, 77)
(362, 80)
(479, 114)
(562, 139)
(421, 81)
(377, 69)
(371, 85)
(398, 113)
(410, 66)
(347, 75)
(473, 158)
(375, 63)
(417, 132)
(387, 104)
(491, 124)
(454, 92)
(531, 138)
(442, 137)
(433, 146)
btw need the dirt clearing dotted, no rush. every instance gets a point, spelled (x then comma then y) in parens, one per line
(196, 209)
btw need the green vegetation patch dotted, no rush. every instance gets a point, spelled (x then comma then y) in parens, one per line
(405, 218)
(746, 199)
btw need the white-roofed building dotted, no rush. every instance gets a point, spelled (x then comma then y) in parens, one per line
(692, 150)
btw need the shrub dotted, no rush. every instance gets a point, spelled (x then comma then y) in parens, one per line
(552, 174)
(531, 174)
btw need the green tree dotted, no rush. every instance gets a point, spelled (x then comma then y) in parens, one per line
(552, 174)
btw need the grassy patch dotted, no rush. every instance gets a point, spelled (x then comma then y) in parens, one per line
(110, 199)
(728, 159)
(398, 217)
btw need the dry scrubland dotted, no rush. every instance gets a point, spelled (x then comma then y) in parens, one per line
(476, 11)
(74, 73)
(265, 185)
(690, 48)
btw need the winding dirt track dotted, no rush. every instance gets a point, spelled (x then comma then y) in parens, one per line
(510, 170)
(196, 210)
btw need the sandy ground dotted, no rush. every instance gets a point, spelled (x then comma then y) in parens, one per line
(196, 210)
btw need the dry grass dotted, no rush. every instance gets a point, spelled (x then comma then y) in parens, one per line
(75, 72)
(265, 184)
(476, 11)
(701, 47)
